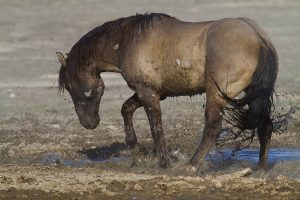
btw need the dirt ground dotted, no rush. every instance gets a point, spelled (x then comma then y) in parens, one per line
(46, 154)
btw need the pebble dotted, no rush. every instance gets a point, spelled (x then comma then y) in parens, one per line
(218, 184)
(281, 177)
(246, 172)
(56, 126)
(10, 153)
(12, 95)
(138, 187)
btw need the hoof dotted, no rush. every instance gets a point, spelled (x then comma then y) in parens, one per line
(261, 168)
(164, 163)
(131, 143)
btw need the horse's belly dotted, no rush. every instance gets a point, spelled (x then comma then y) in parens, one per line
(183, 82)
(183, 73)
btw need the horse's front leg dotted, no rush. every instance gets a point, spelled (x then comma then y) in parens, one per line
(151, 102)
(128, 108)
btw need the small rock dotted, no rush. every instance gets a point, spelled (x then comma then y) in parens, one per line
(281, 177)
(138, 187)
(12, 95)
(218, 184)
(56, 126)
(201, 187)
(194, 180)
(113, 128)
(10, 153)
(107, 192)
(246, 172)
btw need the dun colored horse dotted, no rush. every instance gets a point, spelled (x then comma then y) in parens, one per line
(232, 60)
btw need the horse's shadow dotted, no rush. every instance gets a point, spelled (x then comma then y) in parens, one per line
(104, 152)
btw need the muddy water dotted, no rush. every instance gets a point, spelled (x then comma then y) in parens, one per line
(275, 155)
(52, 159)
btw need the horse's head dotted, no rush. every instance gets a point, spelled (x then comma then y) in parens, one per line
(86, 90)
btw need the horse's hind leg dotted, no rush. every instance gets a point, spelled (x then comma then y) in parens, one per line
(264, 136)
(212, 128)
(128, 108)
(151, 102)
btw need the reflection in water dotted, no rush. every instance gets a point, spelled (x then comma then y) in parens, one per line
(275, 155)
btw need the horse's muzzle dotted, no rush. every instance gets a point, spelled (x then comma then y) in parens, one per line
(89, 122)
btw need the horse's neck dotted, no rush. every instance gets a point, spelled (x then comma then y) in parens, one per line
(104, 66)
(107, 59)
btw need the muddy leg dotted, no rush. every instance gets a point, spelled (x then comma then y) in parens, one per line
(150, 100)
(212, 128)
(128, 108)
(264, 136)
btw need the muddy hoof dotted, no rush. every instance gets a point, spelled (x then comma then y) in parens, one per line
(131, 143)
(164, 163)
(261, 167)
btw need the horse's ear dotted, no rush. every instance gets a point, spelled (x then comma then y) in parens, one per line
(61, 59)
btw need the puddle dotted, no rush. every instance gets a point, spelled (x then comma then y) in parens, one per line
(275, 155)
(58, 159)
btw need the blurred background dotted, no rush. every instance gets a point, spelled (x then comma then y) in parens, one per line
(32, 31)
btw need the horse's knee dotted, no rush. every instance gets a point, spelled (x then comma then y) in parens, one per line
(128, 108)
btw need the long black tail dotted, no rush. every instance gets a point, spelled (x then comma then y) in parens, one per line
(254, 109)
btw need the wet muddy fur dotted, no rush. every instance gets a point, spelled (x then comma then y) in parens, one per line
(122, 46)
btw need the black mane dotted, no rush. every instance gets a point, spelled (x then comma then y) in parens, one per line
(125, 29)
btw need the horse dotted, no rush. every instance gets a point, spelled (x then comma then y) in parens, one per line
(232, 60)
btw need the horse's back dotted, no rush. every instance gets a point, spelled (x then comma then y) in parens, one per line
(177, 57)
(171, 56)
